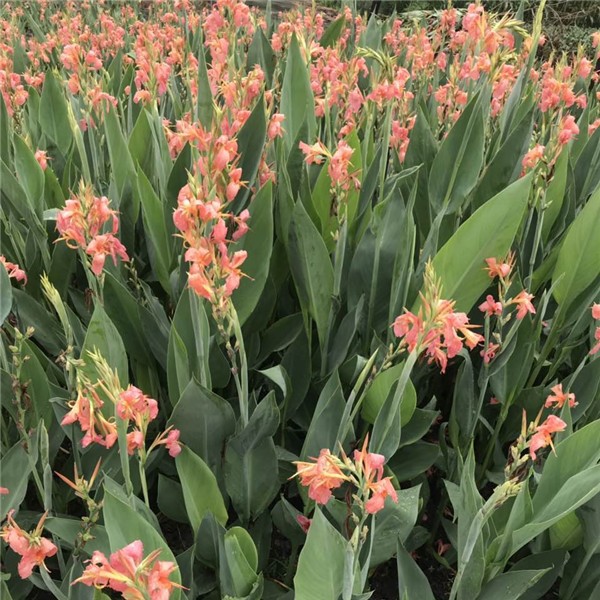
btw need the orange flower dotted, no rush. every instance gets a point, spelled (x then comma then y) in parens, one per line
(498, 268)
(32, 547)
(128, 572)
(559, 397)
(321, 476)
(543, 434)
(523, 301)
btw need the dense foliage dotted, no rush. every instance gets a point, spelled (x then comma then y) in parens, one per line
(287, 302)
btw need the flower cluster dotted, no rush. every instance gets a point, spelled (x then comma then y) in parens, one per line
(81, 222)
(436, 329)
(365, 472)
(131, 405)
(13, 270)
(542, 435)
(131, 574)
(31, 546)
(492, 307)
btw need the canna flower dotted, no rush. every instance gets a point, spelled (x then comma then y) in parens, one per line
(596, 347)
(489, 353)
(558, 397)
(42, 157)
(491, 306)
(130, 574)
(13, 270)
(321, 476)
(437, 329)
(543, 434)
(380, 490)
(523, 302)
(531, 159)
(102, 246)
(304, 522)
(315, 153)
(32, 547)
(4, 491)
(595, 311)
(275, 129)
(133, 404)
(499, 268)
(568, 130)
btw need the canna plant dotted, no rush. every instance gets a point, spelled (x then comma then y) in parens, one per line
(287, 297)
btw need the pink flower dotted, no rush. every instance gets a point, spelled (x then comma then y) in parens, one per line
(380, 490)
(321, 476)
(523, 302)
(543, 434)
(172, 443)
(596, 311)
(102, 246)
(559, 397)
(497, 268)
(275, 129)
(489, 353)
(42, 157)
(595, 349)
(304, 522)
(315, 153)
(32, 547)
(13, 270)
(568, 130)
(4, 491)
(531, 159)
(491, 306)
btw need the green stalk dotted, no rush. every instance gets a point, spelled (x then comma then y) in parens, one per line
(243, 384)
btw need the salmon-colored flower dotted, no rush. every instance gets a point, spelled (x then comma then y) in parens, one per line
(524, 306)
(489, 353)
(595, 309)
(13, 270)
(102, 246)
(275, 129)
(315, 153)
(568, 130)
(42, 157)
(543, 434)
(558, 397)
(4, 491)
(129, 573)
(491, 307)
(304, 522)
(321, 476)
(531, 159)
(500, 268)
(379, 491)
(32, 547)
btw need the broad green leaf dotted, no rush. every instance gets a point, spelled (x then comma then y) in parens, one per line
(555, 193)
(456, 167)
(124, 525)
(379, 390)
(205, 421)
(511, 585)
(566, 533)
(332, 33)
(258, 243)
(200, 489)
(54, 116)
(488, 232)
(578, 262)
(297, 102)
(30, 175)
(141, 144)
(103, 336)
(239, 562)
(412, 582)
(15, 468)
(5, 294)
(311, 269)
(204, 102)
(320, 571)
(158, 240)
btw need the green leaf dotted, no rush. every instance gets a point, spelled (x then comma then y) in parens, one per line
(54, 116)
(5, 294)
(30, 175)
(511, 585)
(412, 583)
(395, 522)
(578, 262)
(239, 562)
(320, 571)
(456, 167)
(204, 103)
(124, 525)
(378, 392)
(204, 421)
(556, 191)
(258, 243)
(489, 232)
(15, 468)
(297, 101)
(311, 269)
(67, 530)
(104, 337)
(141, 145)
(158, 240)
(200, 489)
(332, 33)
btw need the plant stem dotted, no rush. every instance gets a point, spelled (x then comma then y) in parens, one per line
(243, 383)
